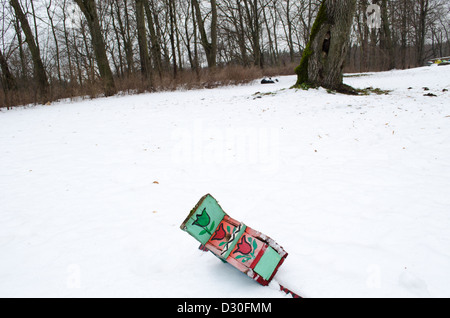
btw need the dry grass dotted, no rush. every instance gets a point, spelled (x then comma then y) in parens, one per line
(185, 79)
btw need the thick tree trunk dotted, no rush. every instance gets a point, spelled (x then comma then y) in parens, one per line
(39, 70)
(89, 10)
(324, 56)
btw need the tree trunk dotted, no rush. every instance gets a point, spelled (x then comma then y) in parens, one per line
(404, 31)
(142, 40)
(423, 14)
(172, 22)
(155, 46)
(289, 32)
(209, 47)
(66, 39)
(124, 30)
(23, 63)
(89, 10)
(271, 50)
(324, 56)
(39, 70)
(119, 66)
(387, 43)
(252, 12)
(55, 38)
(240, 29)
(9, 81)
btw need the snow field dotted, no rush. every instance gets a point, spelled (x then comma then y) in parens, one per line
(355, 188)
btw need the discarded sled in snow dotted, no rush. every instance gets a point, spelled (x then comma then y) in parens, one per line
(233, 242)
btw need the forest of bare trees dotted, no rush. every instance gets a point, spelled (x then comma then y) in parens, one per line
(52, 49)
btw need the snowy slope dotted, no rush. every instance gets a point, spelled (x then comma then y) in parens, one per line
(356, 189)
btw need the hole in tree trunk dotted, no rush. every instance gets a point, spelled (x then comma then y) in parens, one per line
(326, 43)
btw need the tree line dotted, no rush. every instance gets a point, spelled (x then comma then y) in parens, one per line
(52, 49)
(410, 32)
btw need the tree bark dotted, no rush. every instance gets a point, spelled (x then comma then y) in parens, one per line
(39, 70)
(89, 10)
(324, 56)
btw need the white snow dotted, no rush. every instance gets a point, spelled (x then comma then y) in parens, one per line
(355, 188)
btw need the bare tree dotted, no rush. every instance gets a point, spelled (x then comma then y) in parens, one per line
(50, 15)
(288, 27)
(155, 41)
(253, 12)
(122, 27)
(172, 20)
(423, 9)
(386, 42)
(88, 7)
(210, 47)
(39, 70)
(8, 80)
(142, 40)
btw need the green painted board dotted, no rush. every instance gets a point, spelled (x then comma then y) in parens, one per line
(204, 219)
(267, 264)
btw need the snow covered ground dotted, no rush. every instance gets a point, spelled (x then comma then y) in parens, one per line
(355, 188)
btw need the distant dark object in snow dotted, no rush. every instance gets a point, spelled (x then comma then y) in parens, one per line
(445, 90)
(430, 95)
(268, 81)
(426, 89)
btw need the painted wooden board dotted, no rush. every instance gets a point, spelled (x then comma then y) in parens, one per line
(250, 251)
